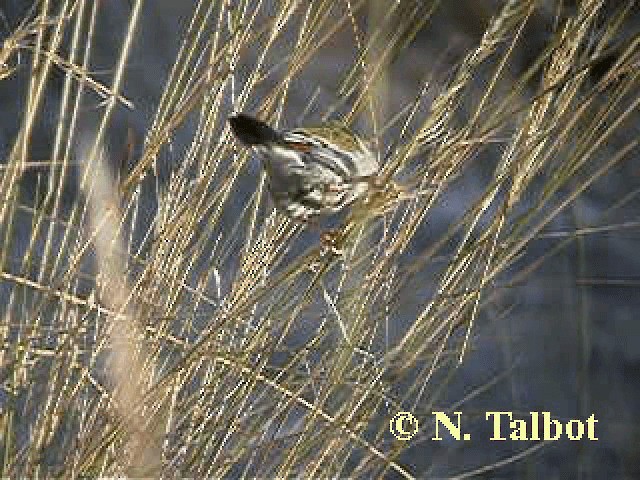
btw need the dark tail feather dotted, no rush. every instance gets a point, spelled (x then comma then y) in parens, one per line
(252, 131)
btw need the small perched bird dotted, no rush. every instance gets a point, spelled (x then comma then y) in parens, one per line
(311, 172)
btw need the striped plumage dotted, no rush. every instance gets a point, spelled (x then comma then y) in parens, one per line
(311, 171)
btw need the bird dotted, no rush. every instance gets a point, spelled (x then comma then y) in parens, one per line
(311, 172)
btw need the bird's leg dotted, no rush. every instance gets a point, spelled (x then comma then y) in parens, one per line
(330, 239)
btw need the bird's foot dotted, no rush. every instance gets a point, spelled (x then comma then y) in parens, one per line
(331, 241)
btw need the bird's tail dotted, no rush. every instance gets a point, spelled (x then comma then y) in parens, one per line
(252, 131)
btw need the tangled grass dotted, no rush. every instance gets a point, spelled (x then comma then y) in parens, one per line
(176, 325)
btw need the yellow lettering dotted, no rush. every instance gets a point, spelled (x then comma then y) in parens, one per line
(443, 418)
(548, 422)
(535, 427)
(496, 424)
(591, 427)
(518, 430)
(580, 432)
